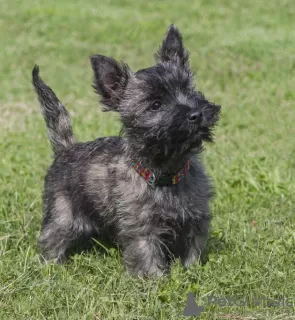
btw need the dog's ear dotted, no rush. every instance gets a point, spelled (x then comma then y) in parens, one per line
(110, 80)
(172, 48)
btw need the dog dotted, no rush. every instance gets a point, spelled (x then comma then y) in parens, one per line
(145, 190)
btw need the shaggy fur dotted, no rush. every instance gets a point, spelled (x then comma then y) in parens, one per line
(91, 190)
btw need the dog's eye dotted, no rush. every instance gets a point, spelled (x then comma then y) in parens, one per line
(156, 105)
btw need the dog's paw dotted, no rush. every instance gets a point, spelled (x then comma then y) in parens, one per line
(152, 272)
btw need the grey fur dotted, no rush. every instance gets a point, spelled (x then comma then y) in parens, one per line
(91, 188)
(57, 119)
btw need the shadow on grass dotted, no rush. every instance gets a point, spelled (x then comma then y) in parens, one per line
(215, 245)
(93, 245)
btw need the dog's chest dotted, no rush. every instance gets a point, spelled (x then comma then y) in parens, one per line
(135, 196)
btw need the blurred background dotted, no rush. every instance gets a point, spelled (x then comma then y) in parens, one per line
(243, 54)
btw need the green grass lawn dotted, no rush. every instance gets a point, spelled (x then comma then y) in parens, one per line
(243, 52)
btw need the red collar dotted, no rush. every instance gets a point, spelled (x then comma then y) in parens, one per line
(164, 180)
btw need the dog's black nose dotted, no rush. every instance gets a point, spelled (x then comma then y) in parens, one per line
(195, 117)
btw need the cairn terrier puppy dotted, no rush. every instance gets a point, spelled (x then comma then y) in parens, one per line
(145, 190)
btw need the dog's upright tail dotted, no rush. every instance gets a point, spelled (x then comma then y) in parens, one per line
(57, 119)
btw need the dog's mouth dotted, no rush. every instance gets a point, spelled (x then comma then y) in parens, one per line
(200, 134)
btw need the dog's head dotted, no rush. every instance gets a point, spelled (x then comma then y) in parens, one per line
(160, 109)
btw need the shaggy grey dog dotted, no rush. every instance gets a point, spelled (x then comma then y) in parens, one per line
(146, 190)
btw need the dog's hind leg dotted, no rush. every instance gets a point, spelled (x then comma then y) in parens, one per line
(61, 229)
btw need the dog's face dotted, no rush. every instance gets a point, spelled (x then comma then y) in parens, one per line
(159, 107)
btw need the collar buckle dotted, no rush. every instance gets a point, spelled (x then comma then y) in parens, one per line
(151, 181)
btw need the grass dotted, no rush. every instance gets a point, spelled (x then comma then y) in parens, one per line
(243, 52)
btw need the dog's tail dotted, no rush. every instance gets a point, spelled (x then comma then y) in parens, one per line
(57, 119)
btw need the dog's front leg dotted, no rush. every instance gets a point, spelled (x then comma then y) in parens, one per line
(144, 255)
(193, 242)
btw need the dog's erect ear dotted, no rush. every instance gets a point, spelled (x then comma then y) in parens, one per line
(172, 48)
(110, 80)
